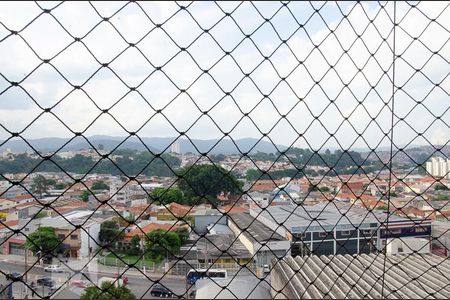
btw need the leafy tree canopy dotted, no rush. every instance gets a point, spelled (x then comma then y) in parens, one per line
(161, 243)
(107, 291)
(440, 187)
(167, 195)
(208, 181)
(135, 245)
(110, 232)
(40, 185)
(43, 239)
(99, 185)
(132, 162)
(183, 234)
(84, 195)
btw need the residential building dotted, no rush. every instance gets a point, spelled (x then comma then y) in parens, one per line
(79, 241)
(262, 243)
(205, 217)
(439, 167)
(175, 148)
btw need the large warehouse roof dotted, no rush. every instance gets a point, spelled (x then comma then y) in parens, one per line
(362, 276)
(299, 218)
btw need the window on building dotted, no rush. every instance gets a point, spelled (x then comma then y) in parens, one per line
(61, 236)
(323, 234)
(367, 231)
(74, 237)
(420, 229)
(395, 231)
(346, 233)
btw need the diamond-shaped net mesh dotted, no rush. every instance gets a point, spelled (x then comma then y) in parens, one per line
(224, 149)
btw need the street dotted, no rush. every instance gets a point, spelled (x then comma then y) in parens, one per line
(138, 283)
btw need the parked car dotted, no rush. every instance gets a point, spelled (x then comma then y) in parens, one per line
(12, 276)
(159, 290)
(53, 269)
(45, 281)
(266, 269)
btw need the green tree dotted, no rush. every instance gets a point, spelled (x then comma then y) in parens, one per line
(107, 291)
(99, 185)
(440, 187)
(51, 182)
(166, 196)
(254, 174)
(135, 245)
(183, 234)
(161, 243)
(200, 181)
(40, 185)
(110, 233)
(265, 156)
(124, 221)
(132, 163)
(325, 189)
(43, 239)
(39, 215)
(217, 158)
(440, 198)
(85, 195)
(60, 186)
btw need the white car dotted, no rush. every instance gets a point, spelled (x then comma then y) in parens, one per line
(266, 269)
(53, 269)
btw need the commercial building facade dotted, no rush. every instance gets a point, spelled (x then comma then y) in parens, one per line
(327, 229)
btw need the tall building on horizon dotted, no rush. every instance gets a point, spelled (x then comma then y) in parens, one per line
(175, 148)
(439, 167)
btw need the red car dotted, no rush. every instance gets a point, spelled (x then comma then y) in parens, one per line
(124, 278)
(79, 283)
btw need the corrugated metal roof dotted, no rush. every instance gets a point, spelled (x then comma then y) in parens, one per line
(253, 228)
(361, 276)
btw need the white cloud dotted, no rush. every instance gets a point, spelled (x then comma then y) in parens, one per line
(75, 63)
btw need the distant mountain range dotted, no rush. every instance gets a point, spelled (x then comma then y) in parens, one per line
(156, 144)
(226, 146)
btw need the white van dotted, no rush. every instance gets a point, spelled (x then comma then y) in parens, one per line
(116, 281)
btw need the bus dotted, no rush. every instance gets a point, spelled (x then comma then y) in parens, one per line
(197, 274)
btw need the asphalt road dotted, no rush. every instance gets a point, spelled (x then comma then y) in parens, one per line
(139, 284)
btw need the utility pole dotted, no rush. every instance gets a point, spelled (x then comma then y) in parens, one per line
(206, 254)
(26, 265)
(141, 244)
(89, 246)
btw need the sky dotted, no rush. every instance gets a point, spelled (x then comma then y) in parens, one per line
(326, 80)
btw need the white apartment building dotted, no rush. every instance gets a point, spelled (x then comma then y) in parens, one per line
(439, 166)
(175, 148)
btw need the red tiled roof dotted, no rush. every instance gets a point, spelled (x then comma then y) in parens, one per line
(10, 224)
(137, 210)
(181, 210)
(233, 209)
(149, 228)
(22, 197)
(27, 204)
